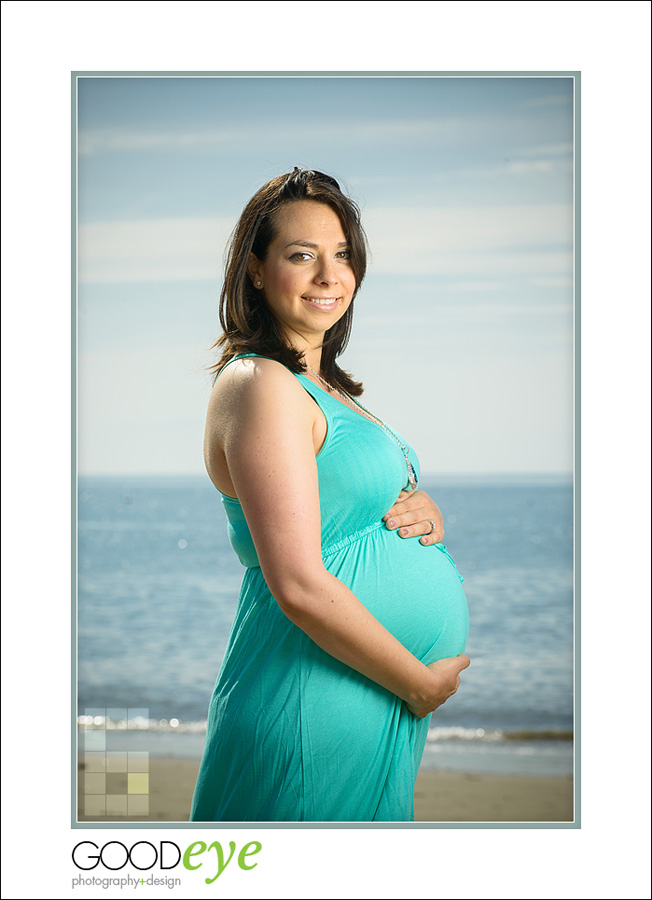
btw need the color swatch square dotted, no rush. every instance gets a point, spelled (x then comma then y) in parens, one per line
(138, 783)
(138, 805)
(95, 783)
(116, 805)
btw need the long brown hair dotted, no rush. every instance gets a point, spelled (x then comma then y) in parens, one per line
(247, 323)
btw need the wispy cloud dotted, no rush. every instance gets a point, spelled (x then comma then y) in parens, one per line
(564, 148)
(546, 159)
(515, 166)
(501, 240)
(530, 166)
(461, 243)
(564, 281)
(550, 100)
(117, 140)
(152, 250)
(473, 287)
(431, 131)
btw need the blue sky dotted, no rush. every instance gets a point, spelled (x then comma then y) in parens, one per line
(463, 331)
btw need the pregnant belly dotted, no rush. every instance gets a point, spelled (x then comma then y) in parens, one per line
(414, 591)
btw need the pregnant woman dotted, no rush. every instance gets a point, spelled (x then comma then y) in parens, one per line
(352, 621)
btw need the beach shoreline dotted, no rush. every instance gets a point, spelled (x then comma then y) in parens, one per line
(440, 796)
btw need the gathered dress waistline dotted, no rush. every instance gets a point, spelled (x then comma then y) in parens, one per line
(345, 541)
(351, 539)
(358, 535)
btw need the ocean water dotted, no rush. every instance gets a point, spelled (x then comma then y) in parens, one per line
(158, 584)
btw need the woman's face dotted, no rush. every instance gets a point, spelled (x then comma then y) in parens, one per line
(307, 279)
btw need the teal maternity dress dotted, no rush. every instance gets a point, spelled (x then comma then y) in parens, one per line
(293, 734)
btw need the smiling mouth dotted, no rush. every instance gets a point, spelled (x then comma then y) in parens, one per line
(322, 301)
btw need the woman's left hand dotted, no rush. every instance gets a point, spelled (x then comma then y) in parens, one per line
(413, 514)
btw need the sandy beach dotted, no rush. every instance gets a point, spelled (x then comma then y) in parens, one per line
(440, 796)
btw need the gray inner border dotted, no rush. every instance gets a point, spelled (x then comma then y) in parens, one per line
(576, 823)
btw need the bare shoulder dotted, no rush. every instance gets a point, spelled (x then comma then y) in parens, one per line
(252, 393)
(255, 403)
(250, 382)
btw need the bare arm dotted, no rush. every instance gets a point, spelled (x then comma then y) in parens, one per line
(266, 439)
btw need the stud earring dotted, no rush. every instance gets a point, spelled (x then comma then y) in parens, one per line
(258, 283)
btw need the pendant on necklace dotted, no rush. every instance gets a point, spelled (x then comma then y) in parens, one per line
(352, 402)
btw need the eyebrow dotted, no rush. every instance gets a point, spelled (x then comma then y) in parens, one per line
(312, 246)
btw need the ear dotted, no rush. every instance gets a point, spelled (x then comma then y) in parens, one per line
(254, 269)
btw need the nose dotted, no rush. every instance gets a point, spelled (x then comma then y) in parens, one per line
(326, 273)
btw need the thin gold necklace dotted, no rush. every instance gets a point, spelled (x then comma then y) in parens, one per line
(351, 401)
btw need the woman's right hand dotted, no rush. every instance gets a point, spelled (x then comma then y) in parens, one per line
(445, 684)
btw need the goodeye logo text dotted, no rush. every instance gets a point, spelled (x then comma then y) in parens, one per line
(143, 855)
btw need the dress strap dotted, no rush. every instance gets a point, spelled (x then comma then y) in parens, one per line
(235, 359)
(318, 396)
